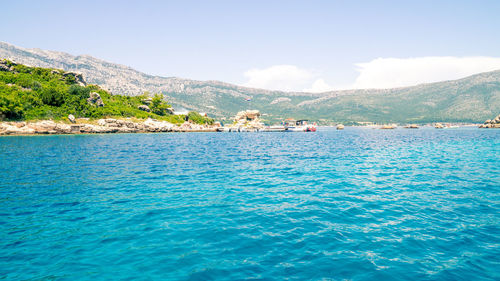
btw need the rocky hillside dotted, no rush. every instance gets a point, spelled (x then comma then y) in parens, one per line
(471, 99)
(35, 93)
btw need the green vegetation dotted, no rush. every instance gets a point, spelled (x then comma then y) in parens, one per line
(34, 93)
(159, 106)
(199, 119)
(471, 99)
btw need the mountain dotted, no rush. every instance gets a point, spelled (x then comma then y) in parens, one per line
(471, 99)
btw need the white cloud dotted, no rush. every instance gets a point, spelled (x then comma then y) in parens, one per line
(378, 73)
(319, 86)
(397, 72)
(279, 77)
(286, 78)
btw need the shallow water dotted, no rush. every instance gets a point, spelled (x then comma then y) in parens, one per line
(357, 204)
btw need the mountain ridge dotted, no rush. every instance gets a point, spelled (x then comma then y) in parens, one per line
(437, 101)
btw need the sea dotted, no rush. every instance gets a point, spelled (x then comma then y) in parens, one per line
(356, 204)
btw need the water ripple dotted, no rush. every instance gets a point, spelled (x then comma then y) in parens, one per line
(356, 204)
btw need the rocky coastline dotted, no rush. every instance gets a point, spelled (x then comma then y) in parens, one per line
(100, 126)
(493, 123)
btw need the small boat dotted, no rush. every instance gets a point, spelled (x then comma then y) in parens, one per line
(449, 126)
(340, 127)
(292, 125)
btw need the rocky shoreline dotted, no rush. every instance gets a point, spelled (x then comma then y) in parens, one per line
(101, 126)
(493, 123)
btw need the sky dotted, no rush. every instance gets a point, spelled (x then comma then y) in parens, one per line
(283, 45)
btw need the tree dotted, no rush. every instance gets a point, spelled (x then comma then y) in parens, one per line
(159, 106)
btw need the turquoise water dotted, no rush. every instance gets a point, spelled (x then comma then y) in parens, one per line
(357, 204)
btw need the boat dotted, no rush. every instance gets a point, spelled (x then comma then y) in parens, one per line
(340, 127)
(292, 125)
(449, 126)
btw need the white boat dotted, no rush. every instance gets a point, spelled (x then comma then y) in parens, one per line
(292, 125)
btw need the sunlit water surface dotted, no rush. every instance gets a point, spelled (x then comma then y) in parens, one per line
(357, 204)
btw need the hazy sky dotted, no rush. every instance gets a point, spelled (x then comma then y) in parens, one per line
(289, 45)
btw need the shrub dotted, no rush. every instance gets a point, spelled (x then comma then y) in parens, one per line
(50, 96)
(70, 79)
(25, 81)
(79, 91)
(11, 107)
(199, 119)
